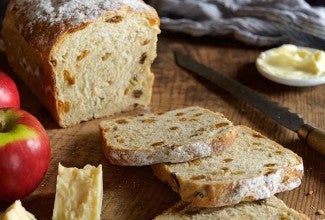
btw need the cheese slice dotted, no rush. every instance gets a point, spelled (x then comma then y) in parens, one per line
(17, 212)
(79, 193)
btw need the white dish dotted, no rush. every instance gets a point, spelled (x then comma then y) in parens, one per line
(298, 82)
(292, 82)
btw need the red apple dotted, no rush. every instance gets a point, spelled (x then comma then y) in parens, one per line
(9, 96)
(25, 153)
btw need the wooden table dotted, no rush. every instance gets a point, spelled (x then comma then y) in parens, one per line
(134, 192)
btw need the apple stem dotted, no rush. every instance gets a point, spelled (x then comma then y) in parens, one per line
(2, 126)
(6, 122)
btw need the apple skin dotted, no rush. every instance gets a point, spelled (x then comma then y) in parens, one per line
(25, 153)
(9, 95)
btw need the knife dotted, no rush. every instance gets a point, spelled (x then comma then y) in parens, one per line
(314, 137)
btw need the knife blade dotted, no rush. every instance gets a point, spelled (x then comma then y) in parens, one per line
(314, 137)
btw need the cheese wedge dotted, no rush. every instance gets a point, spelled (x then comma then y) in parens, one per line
(79, 193)
(17, 212)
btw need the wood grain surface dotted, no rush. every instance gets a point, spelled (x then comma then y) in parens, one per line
(134, 192)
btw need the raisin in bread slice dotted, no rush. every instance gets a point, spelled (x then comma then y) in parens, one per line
(271, 208)
(83, 59)
(175, 136)
(255, 167)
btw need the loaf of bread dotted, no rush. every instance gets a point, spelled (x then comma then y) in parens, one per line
(83, 59)
(253, 168)
(174, 136)
(271, 208)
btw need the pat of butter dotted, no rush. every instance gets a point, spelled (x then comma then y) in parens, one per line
(289, 61)
(17, 212)
(79, 193)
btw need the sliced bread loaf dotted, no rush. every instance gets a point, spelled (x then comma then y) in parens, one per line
(255, 167)
(174, 136)
(83, 59)
(271, 208)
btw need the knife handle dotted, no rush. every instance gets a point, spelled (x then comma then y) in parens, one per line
(314, 137)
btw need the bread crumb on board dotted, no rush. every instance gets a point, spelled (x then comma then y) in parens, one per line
(320, 212)
(310, 192)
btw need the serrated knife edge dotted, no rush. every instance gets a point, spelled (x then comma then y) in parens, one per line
(314, 137)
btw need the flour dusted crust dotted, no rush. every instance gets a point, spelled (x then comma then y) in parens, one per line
(253, 168)
(83, 59)
(42, 22)
(271, 208)
(174, 136)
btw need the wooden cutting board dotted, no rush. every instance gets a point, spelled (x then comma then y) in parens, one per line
(134, 192)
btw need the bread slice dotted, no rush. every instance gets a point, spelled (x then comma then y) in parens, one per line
(83, 59)
(175, 136)
(271, 208)
(254, 168)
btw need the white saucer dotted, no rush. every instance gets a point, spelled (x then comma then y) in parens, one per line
(298, 82)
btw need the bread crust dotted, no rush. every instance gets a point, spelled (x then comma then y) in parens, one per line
(271, 208)
(229, 192)
(45, 34)
(37, 40)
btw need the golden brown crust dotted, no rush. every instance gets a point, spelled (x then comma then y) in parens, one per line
(44, 34)
(25, 67)
(213, 194)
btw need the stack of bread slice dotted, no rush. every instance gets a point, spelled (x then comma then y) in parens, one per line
(221, 171)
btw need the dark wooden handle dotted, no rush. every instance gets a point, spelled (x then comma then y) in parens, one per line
(314, 137)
